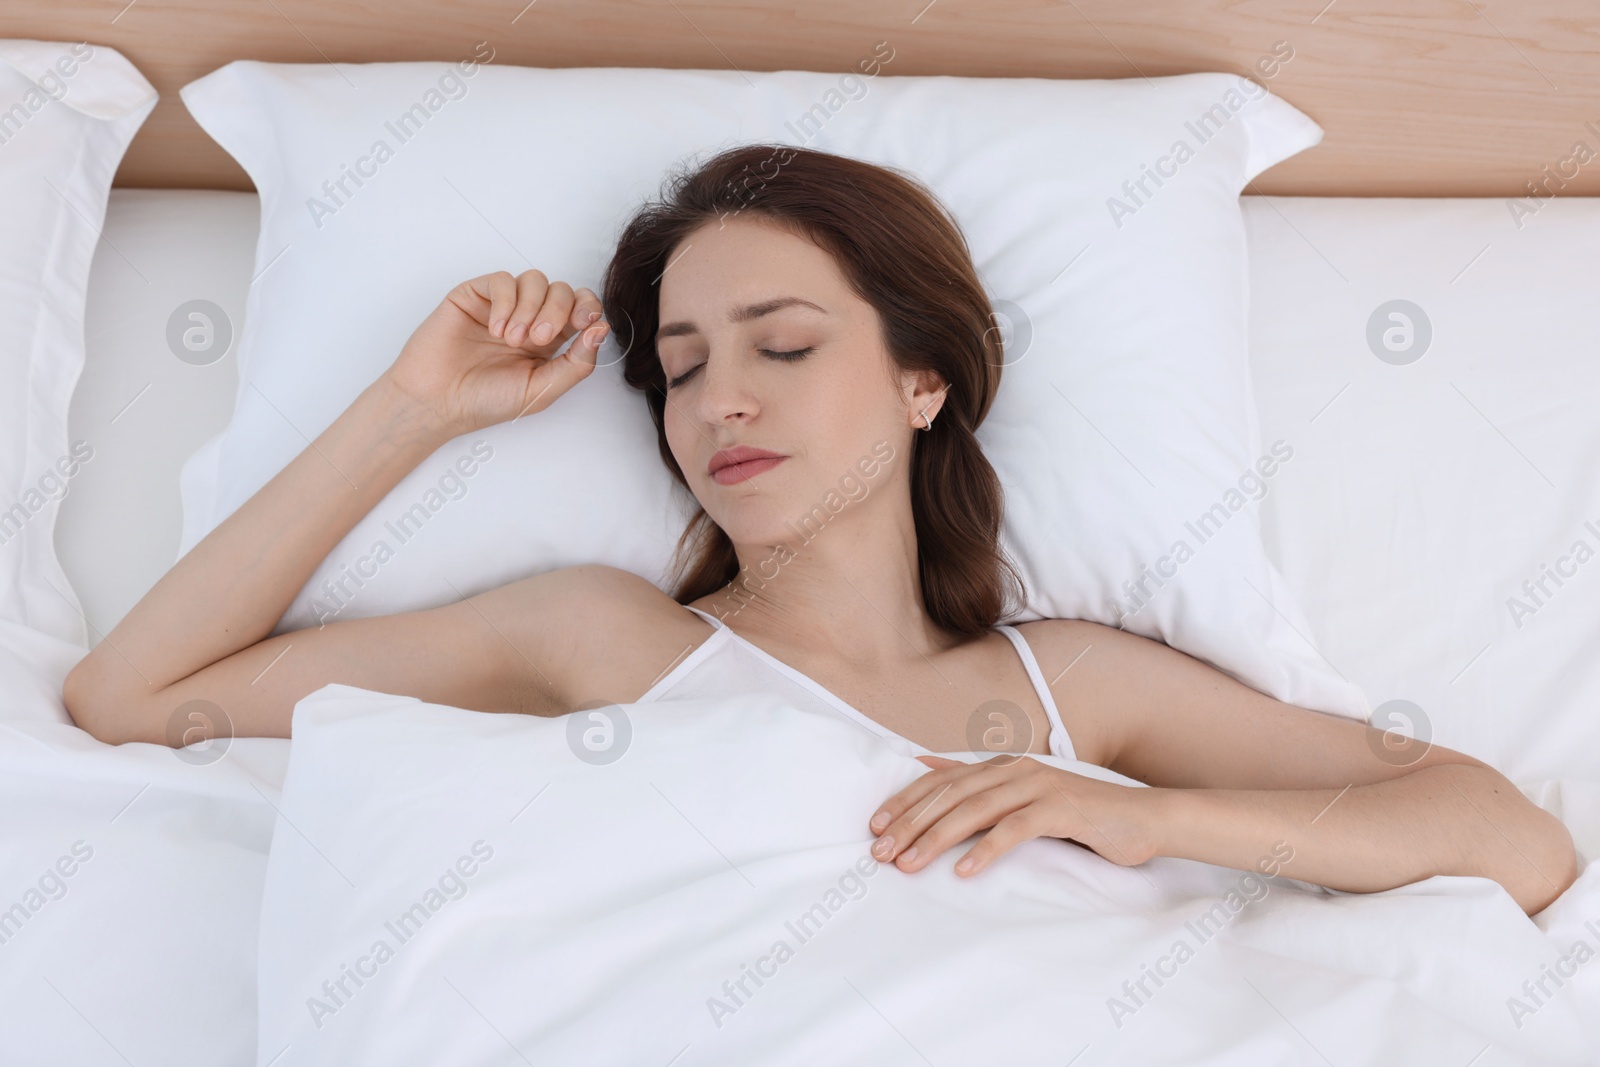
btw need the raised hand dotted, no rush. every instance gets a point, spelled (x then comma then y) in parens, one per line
(487, 353)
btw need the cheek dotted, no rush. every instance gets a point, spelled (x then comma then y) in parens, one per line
(672, 425)
(863, 404)
(844, 428)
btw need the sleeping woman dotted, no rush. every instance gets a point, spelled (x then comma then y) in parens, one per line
(825, 322)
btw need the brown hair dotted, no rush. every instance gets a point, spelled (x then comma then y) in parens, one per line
(905, 255)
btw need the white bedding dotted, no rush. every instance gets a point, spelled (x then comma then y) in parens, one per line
(526, 903)
(1423, 496)
(1417, 507)
(607, 905)
(145, 952)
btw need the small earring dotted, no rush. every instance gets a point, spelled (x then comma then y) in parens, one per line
(927, 423)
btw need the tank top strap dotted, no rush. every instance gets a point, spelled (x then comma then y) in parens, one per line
(1060, 741)
(706, 615)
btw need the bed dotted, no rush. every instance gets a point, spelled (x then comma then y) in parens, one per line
(1417, 530)
(210, 885)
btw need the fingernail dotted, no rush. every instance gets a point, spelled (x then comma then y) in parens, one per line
(884, 846)
(964, 865)
(542, 334)
(597, 334)
(909, 854)
(514, 335)
(592, 316)
(880, 820)
(497, 327)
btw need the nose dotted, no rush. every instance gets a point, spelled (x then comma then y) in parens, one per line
(727, 389)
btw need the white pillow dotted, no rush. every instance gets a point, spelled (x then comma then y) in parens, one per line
(447, 886)
(1126, 413)
(67, 113)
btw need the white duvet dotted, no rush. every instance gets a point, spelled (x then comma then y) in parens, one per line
(444, 886)
(130, 883)
(448, 886)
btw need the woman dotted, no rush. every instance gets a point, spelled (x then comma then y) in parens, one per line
(796, 319)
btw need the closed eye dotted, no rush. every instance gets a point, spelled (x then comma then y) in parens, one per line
(786, 357)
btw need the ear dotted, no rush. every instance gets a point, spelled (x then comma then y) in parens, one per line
(927, 391)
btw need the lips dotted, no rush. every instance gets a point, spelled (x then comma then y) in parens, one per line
(742, 463)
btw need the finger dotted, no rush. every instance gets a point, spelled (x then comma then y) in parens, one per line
(975, 813)
(586, 309)
(961, 782)
(1021, 825)
(912, 793)
(553, 377)
(532, 286)
(548, 325)
(951, 788)
(917, 791)
(587, 346)
(500, 289)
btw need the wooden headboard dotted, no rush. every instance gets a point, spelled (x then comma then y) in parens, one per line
(1417, 97)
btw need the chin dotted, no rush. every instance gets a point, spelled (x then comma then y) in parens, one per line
(756, 524)
(751, 518)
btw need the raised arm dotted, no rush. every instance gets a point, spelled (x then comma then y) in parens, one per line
(200, 634)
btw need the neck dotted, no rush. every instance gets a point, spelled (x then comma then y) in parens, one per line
(849, 589)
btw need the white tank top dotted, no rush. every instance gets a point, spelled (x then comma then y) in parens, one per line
(726, 664)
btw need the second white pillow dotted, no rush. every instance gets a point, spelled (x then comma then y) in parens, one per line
(69, 110)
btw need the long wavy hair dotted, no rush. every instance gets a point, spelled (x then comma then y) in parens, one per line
(904, 254)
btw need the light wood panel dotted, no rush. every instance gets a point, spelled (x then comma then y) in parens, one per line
(1418, 98)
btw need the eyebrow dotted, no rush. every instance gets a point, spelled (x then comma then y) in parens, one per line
(744, 314)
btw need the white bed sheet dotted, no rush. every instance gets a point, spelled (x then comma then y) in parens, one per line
(1422, 496)
(141, 947)
(142, 408)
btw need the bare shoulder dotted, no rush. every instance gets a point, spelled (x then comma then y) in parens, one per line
(1085, 664)
(1133, 699)
(586, 635)
(1078, 635)
(1167, 718)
